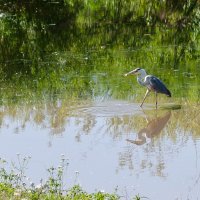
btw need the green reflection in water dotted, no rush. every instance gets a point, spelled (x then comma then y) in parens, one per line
(79, 49)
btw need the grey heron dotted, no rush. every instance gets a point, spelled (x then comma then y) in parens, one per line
(151, 82)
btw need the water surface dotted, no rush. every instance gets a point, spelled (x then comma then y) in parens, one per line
(63, 93)
(110, 145)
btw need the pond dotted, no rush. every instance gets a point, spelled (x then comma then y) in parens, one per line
(110, 144)
(63, 94)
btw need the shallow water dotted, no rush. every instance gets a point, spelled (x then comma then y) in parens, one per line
(111, 146)
(63, 93)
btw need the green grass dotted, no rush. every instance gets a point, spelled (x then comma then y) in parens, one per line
(75, 193)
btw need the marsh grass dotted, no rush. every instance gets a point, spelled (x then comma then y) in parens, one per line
(15, 185)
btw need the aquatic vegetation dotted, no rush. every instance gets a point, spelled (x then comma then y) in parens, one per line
(78, 52)
(85, 37)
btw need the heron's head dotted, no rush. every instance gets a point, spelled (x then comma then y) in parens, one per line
(137, 71)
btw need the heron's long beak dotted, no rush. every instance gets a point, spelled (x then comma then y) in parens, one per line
(130, 73)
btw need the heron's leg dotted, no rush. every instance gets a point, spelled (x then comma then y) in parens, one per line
(145, 96)
(156, 101)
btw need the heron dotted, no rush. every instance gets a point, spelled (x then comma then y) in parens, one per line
(151, 82)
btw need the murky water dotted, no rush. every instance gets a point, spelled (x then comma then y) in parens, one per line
(111, 145)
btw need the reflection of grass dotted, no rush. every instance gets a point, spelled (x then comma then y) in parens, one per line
(15, 185)
(55, 112)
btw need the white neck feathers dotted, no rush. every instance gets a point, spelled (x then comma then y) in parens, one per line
(141, 76)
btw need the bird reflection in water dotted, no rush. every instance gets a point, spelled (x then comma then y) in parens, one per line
(152, 129)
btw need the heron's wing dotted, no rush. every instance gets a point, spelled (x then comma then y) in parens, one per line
(157, 85)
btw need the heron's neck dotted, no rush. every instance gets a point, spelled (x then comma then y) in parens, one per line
(140, 78)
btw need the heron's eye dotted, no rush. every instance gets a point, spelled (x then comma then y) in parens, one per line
(138, 69)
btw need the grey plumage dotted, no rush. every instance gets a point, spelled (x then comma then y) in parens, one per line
(157, 85)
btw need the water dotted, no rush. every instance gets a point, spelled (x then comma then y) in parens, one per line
(110, 145)
(63, 93)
